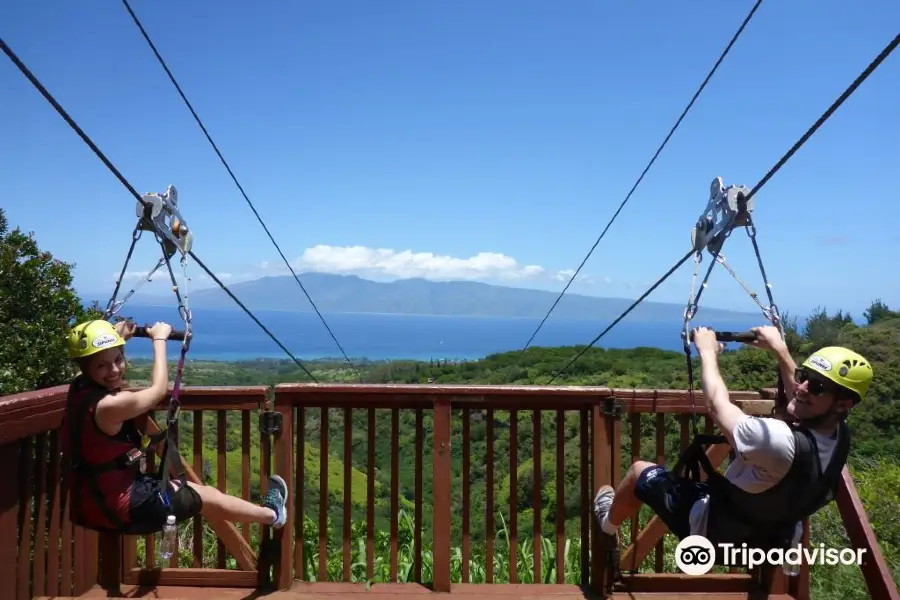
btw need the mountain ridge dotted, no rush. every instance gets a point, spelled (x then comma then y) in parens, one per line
(418, 296)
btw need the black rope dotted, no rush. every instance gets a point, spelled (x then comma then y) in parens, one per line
(37, 84)
(236, 182)
(647, 168)
(622, 316)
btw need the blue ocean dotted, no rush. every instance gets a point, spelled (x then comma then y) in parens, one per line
(228, 335)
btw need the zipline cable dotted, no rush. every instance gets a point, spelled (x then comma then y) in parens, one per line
(803, 139)
(647, 168)
(827, 114)
(40, 87)
(249, 313)
(622, 316)
(187, 102)
(87, 140)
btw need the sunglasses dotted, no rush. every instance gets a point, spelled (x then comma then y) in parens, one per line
(816, 386)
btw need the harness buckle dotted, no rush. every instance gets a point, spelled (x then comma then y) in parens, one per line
(133, 456)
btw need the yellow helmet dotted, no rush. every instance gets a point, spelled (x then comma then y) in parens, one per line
(842, 366)
(91, 337)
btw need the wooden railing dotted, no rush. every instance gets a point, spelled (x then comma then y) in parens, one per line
(448, 496)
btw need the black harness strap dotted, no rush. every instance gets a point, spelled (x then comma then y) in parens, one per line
(170, 458)
(816, 494)
(88, 473)
(694, 457)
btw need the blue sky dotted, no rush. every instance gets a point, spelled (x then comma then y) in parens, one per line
(397, 139)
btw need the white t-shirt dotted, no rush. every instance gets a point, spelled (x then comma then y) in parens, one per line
(764, 450)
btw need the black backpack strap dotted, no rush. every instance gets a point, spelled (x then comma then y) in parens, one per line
(823, 491)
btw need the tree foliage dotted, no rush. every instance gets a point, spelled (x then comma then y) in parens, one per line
(37, 304)
(879, 311)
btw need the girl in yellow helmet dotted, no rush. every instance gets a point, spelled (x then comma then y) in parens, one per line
(102, 441)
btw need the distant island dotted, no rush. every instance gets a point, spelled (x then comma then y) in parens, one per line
(353, 294)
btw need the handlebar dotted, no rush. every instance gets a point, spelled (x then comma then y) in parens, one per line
(175, 336)
(731, 336)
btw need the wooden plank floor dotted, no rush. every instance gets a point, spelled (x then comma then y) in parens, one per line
(327, 591)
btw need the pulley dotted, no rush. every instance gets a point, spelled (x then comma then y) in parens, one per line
(727, 208)
(159, 213)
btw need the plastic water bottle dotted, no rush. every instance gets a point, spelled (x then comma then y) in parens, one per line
(167, 544)
(792, 570)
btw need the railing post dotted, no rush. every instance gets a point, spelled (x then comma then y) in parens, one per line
(441, 493)
(800, 584)
(111, 562)
(284, 537)
(601, 452)
(9, 516)
(874, 568)
(269, 423)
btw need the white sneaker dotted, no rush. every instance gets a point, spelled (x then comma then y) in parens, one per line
(602, 502)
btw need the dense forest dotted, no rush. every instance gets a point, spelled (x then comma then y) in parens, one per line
(37, 305)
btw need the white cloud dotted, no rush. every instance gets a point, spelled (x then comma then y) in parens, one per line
(405, 264)
(387, 263)
(566, 274)
(379, 264)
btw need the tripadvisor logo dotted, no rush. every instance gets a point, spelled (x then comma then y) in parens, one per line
(696, 555)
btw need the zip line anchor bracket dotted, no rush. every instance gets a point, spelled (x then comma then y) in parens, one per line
(270, 422)
(727, 208)
(612, 407)
(159, 213)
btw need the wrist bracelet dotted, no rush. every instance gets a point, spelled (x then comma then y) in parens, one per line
(159, 339)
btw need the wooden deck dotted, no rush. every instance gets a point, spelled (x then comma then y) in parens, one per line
(595, 433)
(333, 591)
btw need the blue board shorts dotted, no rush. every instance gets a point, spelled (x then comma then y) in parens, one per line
(670, 498)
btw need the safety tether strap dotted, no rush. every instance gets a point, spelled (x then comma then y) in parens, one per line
(726, 210)
(159, 214)
(171, 447)
(112, 307)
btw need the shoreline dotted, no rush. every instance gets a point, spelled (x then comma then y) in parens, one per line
(224, 358)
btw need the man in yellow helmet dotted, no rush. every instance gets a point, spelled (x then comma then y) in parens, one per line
(102, 441)
(784, 469)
